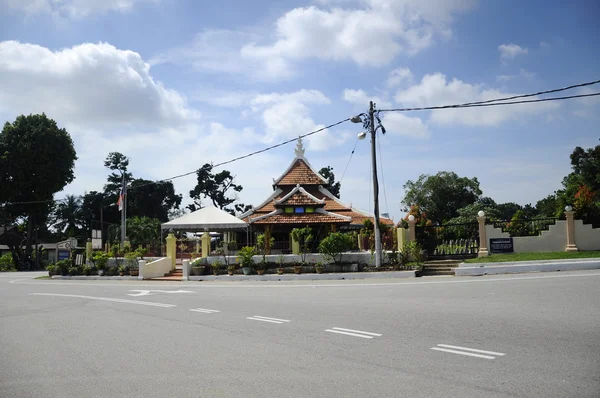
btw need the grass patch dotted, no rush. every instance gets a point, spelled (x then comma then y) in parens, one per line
(497, 258)
(44, 277)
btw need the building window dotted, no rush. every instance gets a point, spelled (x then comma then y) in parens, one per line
(299, 210)
(310, 209)
(289, 209)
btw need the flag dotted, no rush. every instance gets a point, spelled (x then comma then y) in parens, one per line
(121, 200)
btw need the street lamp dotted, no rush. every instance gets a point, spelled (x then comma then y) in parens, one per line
(368, 121)
(481, 213)
(568, 208)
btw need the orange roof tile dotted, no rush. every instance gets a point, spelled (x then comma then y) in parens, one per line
(300, 173)
(310, 218)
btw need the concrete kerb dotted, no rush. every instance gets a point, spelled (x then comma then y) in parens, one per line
(478, 269)
(268, 277)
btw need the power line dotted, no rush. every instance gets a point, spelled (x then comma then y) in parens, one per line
(487, 103)
(348, 164)
(492, 102)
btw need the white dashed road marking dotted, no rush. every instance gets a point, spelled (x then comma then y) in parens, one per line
(109, 299)
(472, 352)
(267, 319)
(204, 310)
(354, 333)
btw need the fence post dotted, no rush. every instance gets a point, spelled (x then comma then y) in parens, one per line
(401, 233)
(571, 244)
(412, 231)
(88, 251)
(483, 250)
(172, 249)
(186, 270)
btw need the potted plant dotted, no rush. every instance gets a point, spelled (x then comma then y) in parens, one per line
(231, 269)
(51, 269)
(319, 267)
(121, 269)
(198, 267)
(100, 259)
(280, 269)
(246, 258)
(298, 269)
(131, 258)
(260, 267)
(216, 267)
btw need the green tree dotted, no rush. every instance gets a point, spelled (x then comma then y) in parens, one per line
(334, 246)
(216, 187)
(333, 186)
(142, 231)
(118, 163)
(38, 159)
(152, 199)
(441, 195)
(68, 216)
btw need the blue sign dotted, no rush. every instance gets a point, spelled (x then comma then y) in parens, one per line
(64, 254)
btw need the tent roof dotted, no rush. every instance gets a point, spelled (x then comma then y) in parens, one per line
(207, 218)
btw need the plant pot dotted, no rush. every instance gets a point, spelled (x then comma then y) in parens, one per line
(134, 272)
(198, 270)
(298, 269)
(247, 270)
(260, 271)
(121, 273)
(280, 271)
(100, 272)
(230, 273)
(319, 270)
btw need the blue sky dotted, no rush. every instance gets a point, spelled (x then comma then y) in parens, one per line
(174, 84)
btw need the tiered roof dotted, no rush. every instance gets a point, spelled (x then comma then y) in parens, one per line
(300, 186)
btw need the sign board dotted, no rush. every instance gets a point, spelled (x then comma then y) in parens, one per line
(501, 245)
(63, 254)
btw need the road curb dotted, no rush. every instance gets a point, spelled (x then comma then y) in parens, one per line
(474, 269)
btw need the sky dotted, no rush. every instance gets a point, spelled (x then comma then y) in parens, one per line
(175, 84)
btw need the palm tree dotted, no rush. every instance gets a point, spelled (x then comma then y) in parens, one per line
(68, 216)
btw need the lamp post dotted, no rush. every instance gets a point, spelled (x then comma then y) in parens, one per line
(368, 121)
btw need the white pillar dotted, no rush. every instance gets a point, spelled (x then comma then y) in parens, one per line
(142, 268)
(186, 270)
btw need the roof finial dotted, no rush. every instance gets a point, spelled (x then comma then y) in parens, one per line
(299, 149)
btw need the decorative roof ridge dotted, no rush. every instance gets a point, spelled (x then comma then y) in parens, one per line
(273, 213)
(328, 213)
(299, 156)
(270, 198)
(299, 188)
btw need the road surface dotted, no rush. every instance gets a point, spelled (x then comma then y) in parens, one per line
(533, 335)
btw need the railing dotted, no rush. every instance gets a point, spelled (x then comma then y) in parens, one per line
(533, 227)
(449, 239)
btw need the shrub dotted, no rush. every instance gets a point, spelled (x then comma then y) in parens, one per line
(6, 263)
(100, 259)
(245, 256)
(74, 271)
(62, 267)
(304, 237)
(334, 245)
(52, 269)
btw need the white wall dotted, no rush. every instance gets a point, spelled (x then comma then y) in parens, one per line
(155, 269)
(553, 240)
(311, 258)
(586, 237)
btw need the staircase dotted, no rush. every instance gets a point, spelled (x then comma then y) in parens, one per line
(440, 267)
(174, 275)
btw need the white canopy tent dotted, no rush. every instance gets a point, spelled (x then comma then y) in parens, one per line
(206, 219)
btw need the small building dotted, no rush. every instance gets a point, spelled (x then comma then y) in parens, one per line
(300, 198)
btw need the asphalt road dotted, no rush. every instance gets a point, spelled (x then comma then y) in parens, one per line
(534, 335)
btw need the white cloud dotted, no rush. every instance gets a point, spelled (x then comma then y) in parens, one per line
(510, 51)
(504, 78)
(367, 32)
(404, 27)
(435, 90)
(361, 98)
(85, 84)
(400, 124)
(220, 51)
(73, 8)
(399, 76)
(522, 73)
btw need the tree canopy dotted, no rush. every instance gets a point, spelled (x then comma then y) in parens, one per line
(333, 186)
(37, 160)
(441, 195)
(216, 187)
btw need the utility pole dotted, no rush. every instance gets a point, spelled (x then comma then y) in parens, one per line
(123, 212)
(375, 188)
